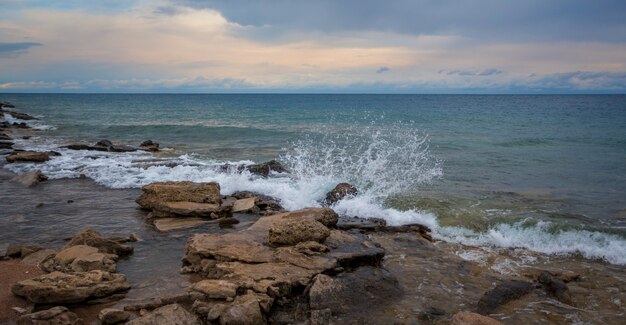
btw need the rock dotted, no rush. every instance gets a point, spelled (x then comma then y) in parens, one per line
(227, 222)
(149, 145)
(155, 194)
(290, 232)
(216, 289)
(6, 104)
(80, 146)
(6, 145)
(92, 238)
(362, 224)
(104, 143)
(53, 316)
(243, 205)
(109, 316)
(31, 178)
(469, 318)
(38, 257)
(173, 314)
(341, 191)
(168, 224)
(68, 255)
(95, 261)
(421, 230)
(244, 310)
(28, 156)
(312, 248)
(58, 288)
(265, 168)
(20, 251)
(20, 116)
(121, 148)
(188, 209)
(555, 287)
(321, 317)
(501, 294)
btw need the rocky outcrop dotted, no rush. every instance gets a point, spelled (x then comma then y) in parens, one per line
(53, 316)
(501, 294)
(169, 314)
(340, 192)
(29, 179)
(80, 258)
(469, 318)
(28, 156)
(183, 199)
(291, 232)
(58, 287)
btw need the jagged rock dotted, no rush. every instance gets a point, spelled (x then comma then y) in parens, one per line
(469, 318)
(243, 205)
(149, 145)
(341, 191)
(501, 294)
(53, 316)
(109, 316)
(216, 289)
(168, 224)
(31, 178)
(95, 261)
(555, 287)
(28, 156)
(173, 314)
(265, 168)
(422, 230)
(106, 245)
(290, 232)
(58, 287)
(21, 251)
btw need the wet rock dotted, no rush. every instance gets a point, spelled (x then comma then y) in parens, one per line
(501, 294)
(227, 222)
(58, 287)
(21, 251)
(263, 202)
(28, 179)
(121, 148)
(109, 316)
(265, 168)
(6, 145)
(181, 198)
(469, 318)
(290, 232)
(104, 143)
(106, 245)
(555, 287)
(149, 145)
(28, 156)
(216, 289)
(6, 104)
(20, 116)
(188, 209)
(244, 205)
(80, 146)
(53, 316)
(422, 230)
(341, 191)
(173, 314)
(169, 224)
(362, 224)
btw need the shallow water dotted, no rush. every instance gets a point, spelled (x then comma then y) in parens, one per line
(547, 173)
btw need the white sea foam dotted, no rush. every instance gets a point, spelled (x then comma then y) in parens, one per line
(379, 165)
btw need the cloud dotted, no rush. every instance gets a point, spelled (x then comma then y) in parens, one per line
(15, 49)
(382, 70)
(473, 73)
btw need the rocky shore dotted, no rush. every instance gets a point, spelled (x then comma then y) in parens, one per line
(244, 259)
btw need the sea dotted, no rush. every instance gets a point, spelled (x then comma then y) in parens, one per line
(544, 173)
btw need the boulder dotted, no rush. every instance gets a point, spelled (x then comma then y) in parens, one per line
(109, 316)
(469, 318)
(28, 156)
(153, 195)
(149, 145)
(60, 288)
(95, 261)
(290, 232)
(106, 245)
(265, 168)
(28, 179)
(341, 191)
(53, 316)
(501, 294)
(173, 314)
(168, 224)
(216, 289)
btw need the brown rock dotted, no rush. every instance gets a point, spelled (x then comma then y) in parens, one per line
(341, 191)
(244, 310)
(243, 205)
(68, 255)
(28, 156)
(57, 287)
(149, 145)
(53, 316)
(38, 257)
(17, 251)
(555, 287)
(229, 221)
(185, 209)
(109, 316)
(216, 289)
(95, 261)
(469, 318)
(290, 232)
(173, 314)
(106, 245)
(155, 193)
(31, 178)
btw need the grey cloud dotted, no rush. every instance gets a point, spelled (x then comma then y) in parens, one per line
(576, 80)
(529, 20)
(382, 70)
(473, 73)
(15, 49)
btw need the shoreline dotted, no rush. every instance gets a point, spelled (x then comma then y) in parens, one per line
(436, 269)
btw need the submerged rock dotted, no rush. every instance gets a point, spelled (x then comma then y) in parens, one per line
(173, 314)
(53, 316)
(168, 224)
(58, 287)
(340, 192)
(29, 179)
(28, 156)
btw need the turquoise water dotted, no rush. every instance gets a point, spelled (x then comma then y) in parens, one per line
(543, 172)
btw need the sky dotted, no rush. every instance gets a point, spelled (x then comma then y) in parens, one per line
(323, 46)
